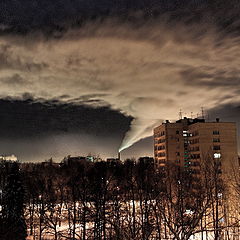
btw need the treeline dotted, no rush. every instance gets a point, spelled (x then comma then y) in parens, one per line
(114, 200)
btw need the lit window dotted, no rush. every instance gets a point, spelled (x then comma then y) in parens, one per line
(188, 211)
(220, 195)
(217, 155)
(185, 133)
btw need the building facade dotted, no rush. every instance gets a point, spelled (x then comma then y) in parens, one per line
(189, 142)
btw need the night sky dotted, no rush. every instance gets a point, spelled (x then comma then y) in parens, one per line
(93, 76)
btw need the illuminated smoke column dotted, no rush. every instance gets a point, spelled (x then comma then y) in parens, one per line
(139, 130)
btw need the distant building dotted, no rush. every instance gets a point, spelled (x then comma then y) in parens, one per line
(8, 158)
(113, 160)
(146, 160)
(69, 159)
(188, 141)
(50, 162)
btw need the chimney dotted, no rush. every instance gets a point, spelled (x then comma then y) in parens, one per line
(217, 119)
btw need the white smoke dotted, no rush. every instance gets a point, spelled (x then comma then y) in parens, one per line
(149, 72)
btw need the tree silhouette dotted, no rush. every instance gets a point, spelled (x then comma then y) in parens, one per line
(12, 223)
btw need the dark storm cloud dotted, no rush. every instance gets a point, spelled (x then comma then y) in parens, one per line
(36, 129)
(227, 112)
(51, 16)
(28, 118)
(139, 71)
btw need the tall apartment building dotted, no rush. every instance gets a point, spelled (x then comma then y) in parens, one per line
(187, 142)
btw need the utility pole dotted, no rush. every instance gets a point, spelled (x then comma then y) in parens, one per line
(202, 112)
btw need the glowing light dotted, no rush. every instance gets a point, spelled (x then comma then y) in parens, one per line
(217, 155)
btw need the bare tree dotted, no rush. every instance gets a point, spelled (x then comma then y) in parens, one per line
(183, 203)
